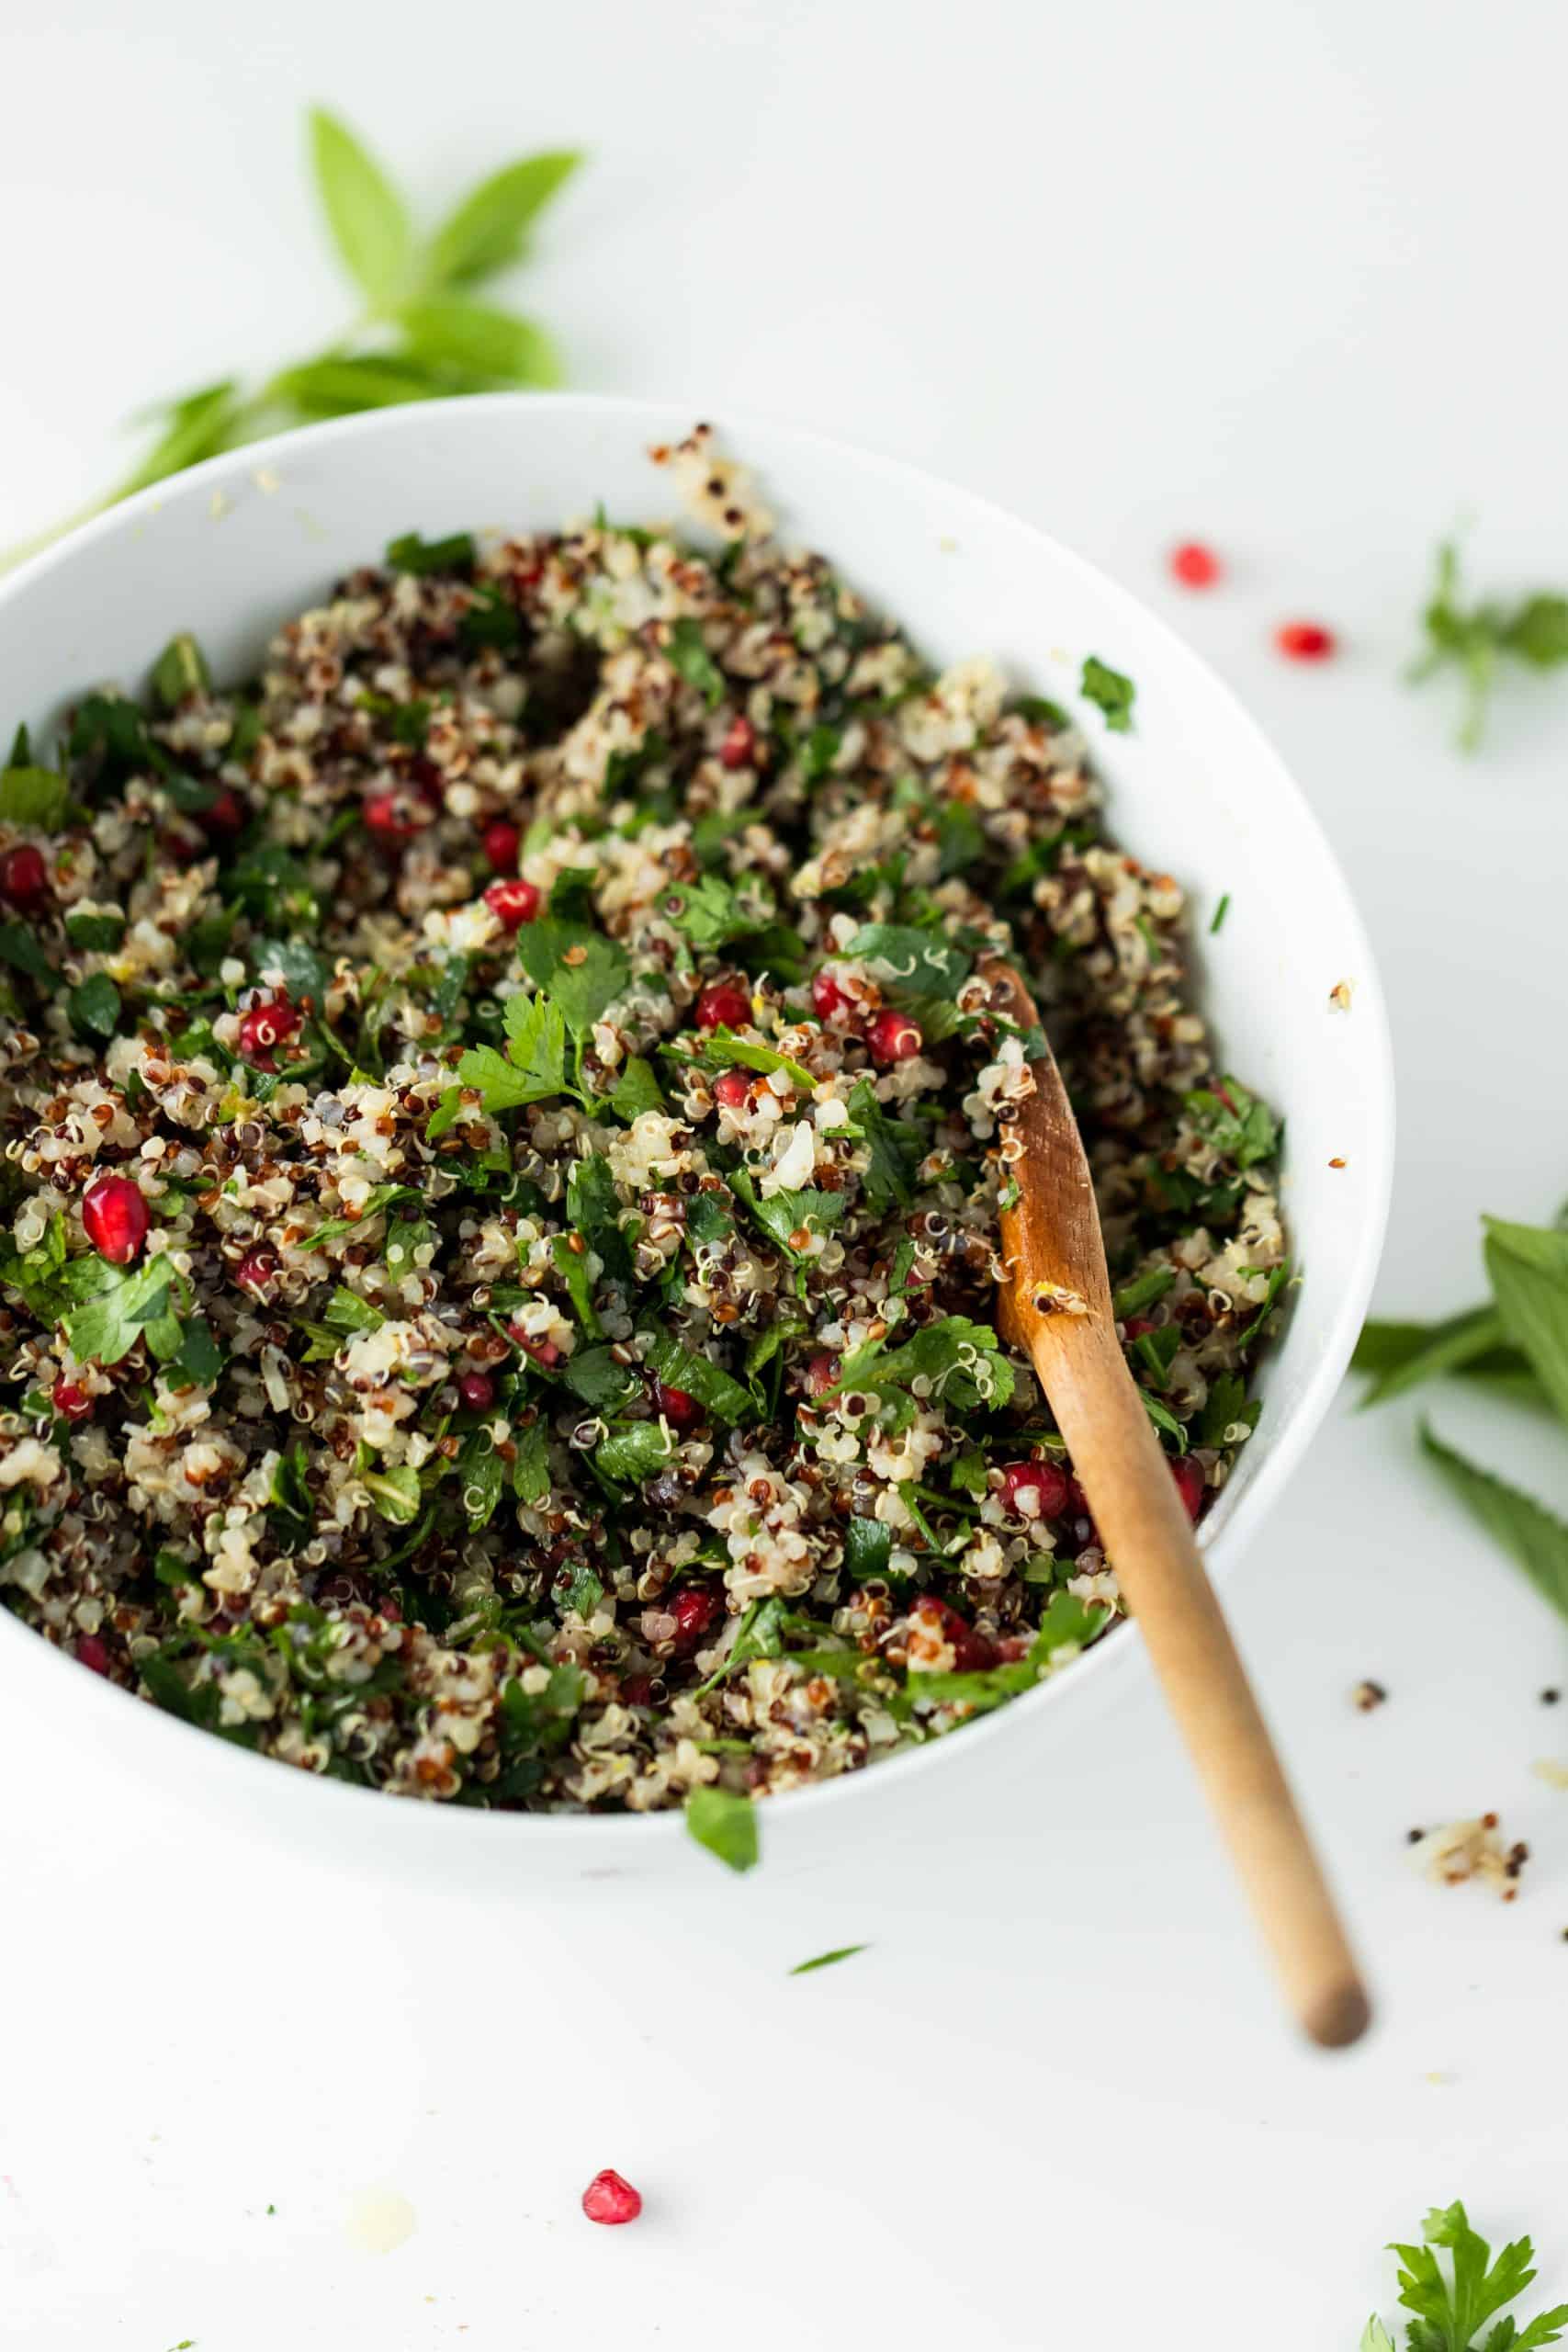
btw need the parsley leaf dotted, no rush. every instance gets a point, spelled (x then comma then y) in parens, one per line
(636, 1090)
(954, 1361)
(1110, 693)
(699, 1376)
(721, 1048)
(726, 1825)
(913, 958)
(395, 1493)
(1240, 1127)
(34, 797)
(533, 1065)
(1534, 631)
(783, 1215)
(632, 1449)
(109, 1325)
(896, 1151)
(687, 652)
(1451, 2310)
(582, 969)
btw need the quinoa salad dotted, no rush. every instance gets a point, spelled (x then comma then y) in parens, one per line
(505, 1119)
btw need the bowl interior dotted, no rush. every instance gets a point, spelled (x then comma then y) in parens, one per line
(241, 544)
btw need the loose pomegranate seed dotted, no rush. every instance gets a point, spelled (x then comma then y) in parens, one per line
(1035, 1490)
(502, 842)
(725, 1005)
(387, 816)
(69, 1399)
(92, 1653)
(1195, 565)
(23, 876)
(828, 995)
(513, 903)
(893, 1038)
(265, 1026)
(738, 744)
(1191, 1483)
(477, 1390)
(677, 1406)
(609, 2199)
(733, 1089)
(636, 1690)
(1304, 641)
(694, 1612)
(115, 1219)
(821, 1372)
(256, 1268)
(226, 816)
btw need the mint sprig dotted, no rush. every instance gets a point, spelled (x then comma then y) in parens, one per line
(418, 334)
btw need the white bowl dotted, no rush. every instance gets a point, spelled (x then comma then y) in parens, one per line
(237, 545)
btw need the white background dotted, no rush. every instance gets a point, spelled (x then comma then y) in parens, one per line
(1285, 276)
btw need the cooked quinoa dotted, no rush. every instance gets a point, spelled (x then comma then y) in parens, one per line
(506, 1123)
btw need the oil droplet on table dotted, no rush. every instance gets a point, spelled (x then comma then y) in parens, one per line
(378, 2219)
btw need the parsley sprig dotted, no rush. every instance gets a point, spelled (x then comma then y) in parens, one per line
(420, 333)
(1452, 2303)
(1476, 641)
(1517, 1345)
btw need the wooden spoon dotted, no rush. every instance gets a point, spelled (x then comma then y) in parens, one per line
(1056, 1305)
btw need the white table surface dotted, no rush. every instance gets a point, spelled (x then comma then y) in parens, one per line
(1287, 276)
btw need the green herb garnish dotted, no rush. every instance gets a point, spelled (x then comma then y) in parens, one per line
(1533, 632)
(1110, 692)
(1453, 2303)
(726, 1825)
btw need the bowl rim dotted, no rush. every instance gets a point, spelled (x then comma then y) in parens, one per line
(652, 414)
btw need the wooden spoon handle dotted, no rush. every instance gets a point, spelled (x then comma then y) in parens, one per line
(1143, 1524)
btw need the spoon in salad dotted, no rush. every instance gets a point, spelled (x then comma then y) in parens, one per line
(1055, 1305)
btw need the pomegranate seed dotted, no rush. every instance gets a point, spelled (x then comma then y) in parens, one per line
(387, 816)
(256, 1268)
(428, 781)
(92, 1653)
(69, 1399)
(828, 995)
(636, 1691)
(677, 1406)
(115, 1219)
(1035, 1490)
(513, 903)
(972, 1650)
(821, 1372)
(740, 743)
(265, 1026)
(725, 1005)
(733, 1089)
(502, 842)
(1304, 641)
(694, 1612)
(1136, 1325)
(23, 876)
(543, 1351)
(226, 816)
(477, 1390)
(893, 1038)
(1195, 565)
(1191, 1483)
(609, 2199)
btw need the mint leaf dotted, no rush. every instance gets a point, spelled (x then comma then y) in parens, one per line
(633, 1450)
(828, 1959)
(726, 1825)
(493, 346)
(364, 211)
(1397, 1356)
(1535, 1538)
(1529, 1269)
(1110, 693)
(487, 230)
